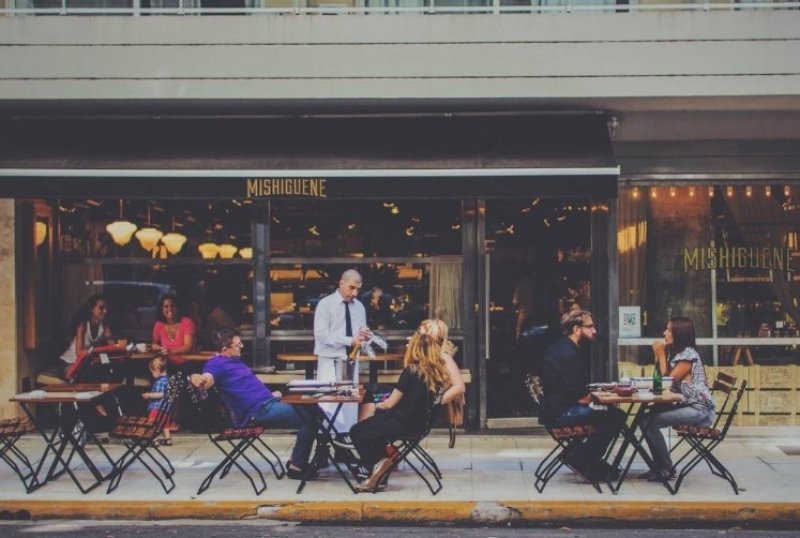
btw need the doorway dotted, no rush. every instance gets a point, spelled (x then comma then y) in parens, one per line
(537, 267)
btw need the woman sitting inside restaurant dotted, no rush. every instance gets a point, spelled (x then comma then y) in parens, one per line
(86, 329)
(689, 379)
(405, 411)
(173, 334)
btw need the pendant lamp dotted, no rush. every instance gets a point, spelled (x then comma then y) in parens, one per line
(148, 237)
(121, 230)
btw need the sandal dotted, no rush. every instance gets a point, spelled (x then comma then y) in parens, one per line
(166, 442)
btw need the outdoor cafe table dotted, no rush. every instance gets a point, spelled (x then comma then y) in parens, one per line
(200, 356)
(631, 434)
(311, 362)
(323, 425)
(56, 403)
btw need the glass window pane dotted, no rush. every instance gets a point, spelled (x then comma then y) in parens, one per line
(365, 228)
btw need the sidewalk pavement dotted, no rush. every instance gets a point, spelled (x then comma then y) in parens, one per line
(488, 479)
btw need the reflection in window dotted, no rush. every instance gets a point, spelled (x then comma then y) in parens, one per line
(365, 228)
(397, 296)
(225, 226)
(212, 295)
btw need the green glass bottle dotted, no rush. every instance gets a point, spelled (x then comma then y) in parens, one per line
(657, 379)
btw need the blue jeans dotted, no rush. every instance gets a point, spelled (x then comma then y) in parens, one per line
(608, 424)
(275, 414)
(665, 416)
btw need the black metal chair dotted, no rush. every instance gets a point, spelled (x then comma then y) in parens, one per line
(234, 442)
(406, 446)
(567, 438)
(138, 435)
(703, 441)
(11, 430)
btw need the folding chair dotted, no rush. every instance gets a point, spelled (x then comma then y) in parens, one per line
(723, 384)
(567, 438)
(234, 442)
(137, 435)
(410, 445)
(702, 441)
(11, 429)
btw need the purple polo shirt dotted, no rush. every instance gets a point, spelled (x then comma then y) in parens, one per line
(240, 389)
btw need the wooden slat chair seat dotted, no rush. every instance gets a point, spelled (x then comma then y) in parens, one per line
(236, 443)
(11, 430)
(707, 432)
(138, 434)
(567, 438)
(703, 440)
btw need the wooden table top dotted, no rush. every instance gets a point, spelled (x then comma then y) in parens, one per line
(64, 393)
(306, 399)
(305, 357)
(196, 356)
(605, 397)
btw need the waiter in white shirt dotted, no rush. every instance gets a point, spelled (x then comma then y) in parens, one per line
(340, 322)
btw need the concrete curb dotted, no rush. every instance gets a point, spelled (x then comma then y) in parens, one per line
(416, 512)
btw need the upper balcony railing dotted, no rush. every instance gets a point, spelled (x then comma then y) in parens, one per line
(371, 7)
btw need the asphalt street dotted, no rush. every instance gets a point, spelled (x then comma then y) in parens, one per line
(264, 529)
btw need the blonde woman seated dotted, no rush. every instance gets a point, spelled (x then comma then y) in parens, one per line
(405, 411)
(437, 329)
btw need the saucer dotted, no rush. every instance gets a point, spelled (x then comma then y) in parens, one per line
(645, 395)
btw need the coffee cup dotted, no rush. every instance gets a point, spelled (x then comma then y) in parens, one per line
(141, 348)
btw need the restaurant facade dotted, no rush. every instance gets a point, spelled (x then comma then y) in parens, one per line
(495, 215)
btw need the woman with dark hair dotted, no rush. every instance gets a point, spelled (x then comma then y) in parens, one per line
(689, 379)
(87, 328)
(173, 334)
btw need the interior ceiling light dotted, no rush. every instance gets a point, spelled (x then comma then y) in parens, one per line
(148, 236)
(40, 233)
(121, 230)
(174, 242)
(246, 252)
(208, 250)
(227, 251)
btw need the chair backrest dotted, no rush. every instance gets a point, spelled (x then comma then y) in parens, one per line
(725, 384)
(534, 384)
(166, 405)
(730, 412)
(432, 413)
(536, 390)
(209, 405)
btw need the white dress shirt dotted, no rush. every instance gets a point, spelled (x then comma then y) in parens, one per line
(331, 345)
(330, 340)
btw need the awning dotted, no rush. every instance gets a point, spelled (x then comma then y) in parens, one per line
(345, 157)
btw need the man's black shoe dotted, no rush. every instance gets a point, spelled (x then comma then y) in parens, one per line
(297, 474)
(607, 472)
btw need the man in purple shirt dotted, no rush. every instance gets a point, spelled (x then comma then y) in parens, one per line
(249, 401)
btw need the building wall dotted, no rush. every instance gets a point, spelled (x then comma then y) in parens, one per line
(8, 309)
(547, 57)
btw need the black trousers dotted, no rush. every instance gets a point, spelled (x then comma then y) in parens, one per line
(371, 436)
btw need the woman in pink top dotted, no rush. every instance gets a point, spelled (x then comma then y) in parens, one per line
(173, 335)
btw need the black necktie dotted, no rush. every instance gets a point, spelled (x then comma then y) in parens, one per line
(348, 325)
